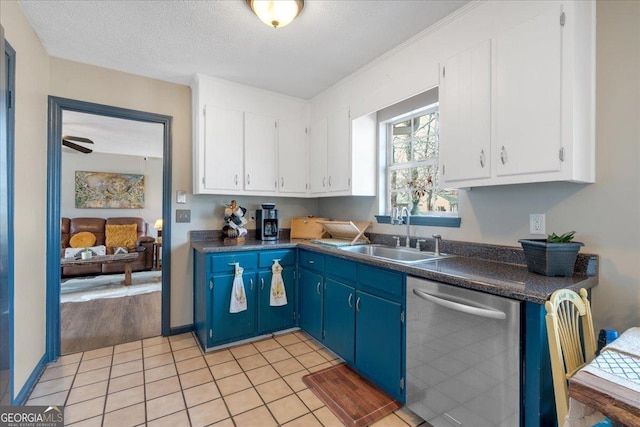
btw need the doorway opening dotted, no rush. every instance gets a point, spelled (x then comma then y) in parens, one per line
(111, 183)
(58, 107)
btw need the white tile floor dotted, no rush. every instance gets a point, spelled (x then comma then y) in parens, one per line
(171, 382)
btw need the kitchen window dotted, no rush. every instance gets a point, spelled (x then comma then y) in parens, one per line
(412, 165)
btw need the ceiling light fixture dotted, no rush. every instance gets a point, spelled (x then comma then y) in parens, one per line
(276, 13)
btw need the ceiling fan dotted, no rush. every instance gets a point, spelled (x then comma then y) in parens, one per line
(67, 142)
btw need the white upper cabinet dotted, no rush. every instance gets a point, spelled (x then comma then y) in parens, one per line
(260, 152)
(223, 146)
(292, 155)
(342, 151)
(527, 96)
(465, 115)
(539, 85)
(238, 146)
(339, 150)
(318, 157)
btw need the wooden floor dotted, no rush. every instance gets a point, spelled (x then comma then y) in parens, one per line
(98, 323)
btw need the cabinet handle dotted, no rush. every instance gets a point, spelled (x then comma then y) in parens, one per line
(358, 304)
(350, 297)
(323, 178)
(482, 158)
(311, 261)
(262, 283)
(318, 288)
(248, 179)
(251, 282)
(210, 284)
(282, 182)
(235, 179)
(503, 155)
(329, 181)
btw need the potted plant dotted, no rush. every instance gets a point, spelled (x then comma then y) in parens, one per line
(553, 256)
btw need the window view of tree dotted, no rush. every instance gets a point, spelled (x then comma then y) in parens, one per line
(412, 169)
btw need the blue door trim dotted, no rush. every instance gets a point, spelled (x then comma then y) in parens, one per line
(54, 158)
(7, 119)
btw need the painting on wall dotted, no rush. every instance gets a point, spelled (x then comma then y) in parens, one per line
(108, 190)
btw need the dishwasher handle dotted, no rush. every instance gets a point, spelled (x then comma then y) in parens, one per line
(469, 309)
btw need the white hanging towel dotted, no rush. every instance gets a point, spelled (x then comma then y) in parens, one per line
(278, 293)
(238, 296)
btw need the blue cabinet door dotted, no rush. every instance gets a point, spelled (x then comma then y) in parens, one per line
(232, 326)
(379, 342)
(276, 318)
(310, 303)
(339, 319)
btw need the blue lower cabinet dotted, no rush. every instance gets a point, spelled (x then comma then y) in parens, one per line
(378, 342)
(276, 318)
(339, 319)
(226, 326)
(212, 286)
(310, 288)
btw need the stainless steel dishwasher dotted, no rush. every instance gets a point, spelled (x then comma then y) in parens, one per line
(463, 356)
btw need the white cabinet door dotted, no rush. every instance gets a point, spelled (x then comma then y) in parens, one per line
(260, 152)
(465, 115)
(339, 150)
(527, 97)
(318, 157)
(292, 156)
(223, 146)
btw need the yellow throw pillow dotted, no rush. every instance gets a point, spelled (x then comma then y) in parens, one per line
(121, 235)
(84, 239)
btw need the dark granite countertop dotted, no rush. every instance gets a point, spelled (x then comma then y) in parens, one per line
(485, 275)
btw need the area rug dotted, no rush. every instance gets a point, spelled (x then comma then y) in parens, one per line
(109, 286)
(353, 399)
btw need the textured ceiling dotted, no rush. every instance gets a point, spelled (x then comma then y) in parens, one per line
(172, 40)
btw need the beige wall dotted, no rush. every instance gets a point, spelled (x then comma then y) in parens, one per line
(32, 80)
(606, 215)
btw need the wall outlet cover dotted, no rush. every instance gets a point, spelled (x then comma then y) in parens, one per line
(537, 224)
(181, 197)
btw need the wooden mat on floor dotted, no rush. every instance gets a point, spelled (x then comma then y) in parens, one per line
(353, 399)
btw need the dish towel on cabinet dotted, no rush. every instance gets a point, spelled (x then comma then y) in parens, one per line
(238, 296)
(278, 293)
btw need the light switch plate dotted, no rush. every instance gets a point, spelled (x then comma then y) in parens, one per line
(181, 197)
(183, 215)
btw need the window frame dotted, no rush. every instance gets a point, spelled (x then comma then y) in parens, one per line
(386, 130)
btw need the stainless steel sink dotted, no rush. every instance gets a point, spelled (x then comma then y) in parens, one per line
(407, 256)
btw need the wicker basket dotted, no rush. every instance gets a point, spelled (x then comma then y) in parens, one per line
(550, 259)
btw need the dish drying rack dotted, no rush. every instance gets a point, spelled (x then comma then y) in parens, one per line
(344, 233)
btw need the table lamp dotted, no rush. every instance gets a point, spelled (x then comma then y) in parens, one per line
(158, 226)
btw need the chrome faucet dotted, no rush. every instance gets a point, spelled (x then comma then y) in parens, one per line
(408, 222)
(438, 239)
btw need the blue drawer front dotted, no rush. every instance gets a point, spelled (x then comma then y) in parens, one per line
(341, 268)
(286, 257)
(220, 263)
(379, 279)
(312, 261)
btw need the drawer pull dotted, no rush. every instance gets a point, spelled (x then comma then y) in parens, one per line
(311, 261)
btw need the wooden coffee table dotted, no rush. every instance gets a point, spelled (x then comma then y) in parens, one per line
(106, 259)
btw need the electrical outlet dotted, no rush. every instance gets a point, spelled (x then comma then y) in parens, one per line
(536, 224)
(183, 215)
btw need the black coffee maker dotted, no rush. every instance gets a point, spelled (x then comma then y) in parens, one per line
(267, 227)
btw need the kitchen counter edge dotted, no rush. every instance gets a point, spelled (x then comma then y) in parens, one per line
(497, 278)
